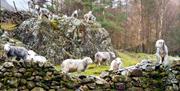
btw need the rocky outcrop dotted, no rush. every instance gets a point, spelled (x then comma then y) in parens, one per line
(71, 38)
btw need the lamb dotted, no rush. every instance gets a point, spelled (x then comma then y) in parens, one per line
(72, 65)
(35, 57)
(43, 12)
(75, 14)
(161, 52)
(14, 51)
(52, 16)
(89, 17)
(116, 64)
(104, 57)
(33, 9)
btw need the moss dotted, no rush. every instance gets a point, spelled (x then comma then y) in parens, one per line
(54, 24)
(57, 67)
(8, 26)
(95, 70)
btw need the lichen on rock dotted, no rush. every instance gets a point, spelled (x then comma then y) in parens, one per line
(73, 39)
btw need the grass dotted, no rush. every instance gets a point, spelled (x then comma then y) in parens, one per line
(128, 59)
(91, 70)
(95, 70)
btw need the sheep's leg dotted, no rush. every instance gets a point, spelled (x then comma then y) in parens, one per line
(65, 70)
(99, 62)
(107, 62)
(159, 58)
(165, 61)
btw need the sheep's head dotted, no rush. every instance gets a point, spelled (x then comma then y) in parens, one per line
(76, 11)
(29, 57)
(37, 7)
(88, 60)
(160, 43)
(7, 47)
(119, 60)
(90, 12)
(31, 52)
(112, 54)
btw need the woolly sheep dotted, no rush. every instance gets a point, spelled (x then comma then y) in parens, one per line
(104, 57)
(52, 16)
(39, 58)
(72, 65)
(161, 51)
(116, 64)
(35, 57)
(89, 17)
(14, 51)
(75, 14)
(43, 12)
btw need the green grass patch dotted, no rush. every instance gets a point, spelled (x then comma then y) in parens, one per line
(91, 70)
(95, 70)
(130, 59)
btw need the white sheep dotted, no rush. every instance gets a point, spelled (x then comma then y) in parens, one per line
(116, 64)
(43, 12)
(52, 16)
(75, 14)
(39, 58)
(72, 65)
(15, 51)
(89, 17)
(104, 57)
(35, 57)
(161, 52)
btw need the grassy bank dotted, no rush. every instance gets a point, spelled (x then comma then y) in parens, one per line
(127, 58)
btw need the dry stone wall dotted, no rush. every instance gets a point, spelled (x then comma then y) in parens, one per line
(30, 76)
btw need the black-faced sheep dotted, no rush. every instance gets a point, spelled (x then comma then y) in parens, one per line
(14, 51)
(72, 65)
(104, 57)
(116, 64)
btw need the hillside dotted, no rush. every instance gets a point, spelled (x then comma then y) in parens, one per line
(69, 37)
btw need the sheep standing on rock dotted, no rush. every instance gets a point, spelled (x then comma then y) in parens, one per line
(14, 51)
(104, 57)
(89, 17)
(161, 51)
(72, 65)
(35, 57)
(75, 14)
(116, 64)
